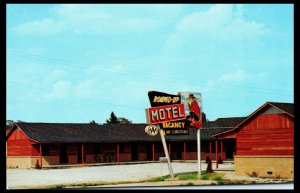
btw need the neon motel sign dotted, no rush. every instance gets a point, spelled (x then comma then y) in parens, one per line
(162, 114)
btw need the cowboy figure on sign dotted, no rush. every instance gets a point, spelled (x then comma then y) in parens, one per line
(194, 118)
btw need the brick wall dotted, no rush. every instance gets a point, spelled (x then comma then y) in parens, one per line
(90, 158)
(72, 159)
(34, 161)
(50, 160)
(142, 156)
(158, 154)
(19, 162)
(125, 157)
(280, 166)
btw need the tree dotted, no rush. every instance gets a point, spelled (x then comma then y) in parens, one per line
(9, 122)
(209, 165)
(124, 120)
(93, 122)
(113, 118)
(204, 117)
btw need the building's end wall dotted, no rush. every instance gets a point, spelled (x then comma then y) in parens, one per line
(265, 166)
(19, 162)
(18, 144)
(30, 161)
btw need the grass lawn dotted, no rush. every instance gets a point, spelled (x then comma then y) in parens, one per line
(218, 177)
(159, 179)
(215, 176)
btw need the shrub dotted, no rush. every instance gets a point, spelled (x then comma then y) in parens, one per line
(218, 178)
(58, 186)
(204, 177)
(209, 165)
(37, 165)
(221, 182)
(253, 174)
(220, 161)
(207, 159)
(190, 184)
(192, 176)
(159, 179)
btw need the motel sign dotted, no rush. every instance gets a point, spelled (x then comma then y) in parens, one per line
(166, 113)
(151, 130)
(174, 127)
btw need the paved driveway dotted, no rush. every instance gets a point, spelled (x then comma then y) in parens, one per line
(34, 177)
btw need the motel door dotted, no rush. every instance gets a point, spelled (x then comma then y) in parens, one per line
(134, 152)
(230, 147)
(176, 150)
(149, 151)
(63, 157)
(79, 155)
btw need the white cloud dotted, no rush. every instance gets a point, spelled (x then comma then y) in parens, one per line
(215, 17)
(40, 51)
(213, 31)
(234, 77)
(44, 26)
(222, 20)
(116, 68)
(87, 89)
(240, 10)
(99, 19)
(55, 75)
(99, 69)
(60, 89)
(233, 80)
(80, 12)
(91, 85)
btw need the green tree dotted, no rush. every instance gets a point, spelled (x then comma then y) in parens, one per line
(93, 122)
(204, 117)
(124, 120)
(9, 122)
(113, 118)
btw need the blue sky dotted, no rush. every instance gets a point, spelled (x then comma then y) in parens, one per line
(77, 63)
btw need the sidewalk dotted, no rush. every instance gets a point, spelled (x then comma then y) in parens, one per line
(62, 166)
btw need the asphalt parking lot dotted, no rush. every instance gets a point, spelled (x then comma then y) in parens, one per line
(35, 177)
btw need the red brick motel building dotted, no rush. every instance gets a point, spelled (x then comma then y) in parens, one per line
(262, 142)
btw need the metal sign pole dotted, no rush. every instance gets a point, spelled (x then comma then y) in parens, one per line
(162, 135)
(199, 152)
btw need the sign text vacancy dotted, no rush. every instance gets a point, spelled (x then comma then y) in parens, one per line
(162, 114)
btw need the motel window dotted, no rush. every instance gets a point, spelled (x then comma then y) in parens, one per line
(97, 148)
(204, 146)
(121, 147)
(191, 146)
(159, 147)
(72, 150)
(45, 149)
(89, 148)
